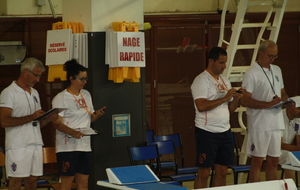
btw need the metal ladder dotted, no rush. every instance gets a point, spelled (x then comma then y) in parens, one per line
(235, 73)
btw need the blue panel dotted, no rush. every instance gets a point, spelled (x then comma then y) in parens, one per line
(133, 174)
(297, 154)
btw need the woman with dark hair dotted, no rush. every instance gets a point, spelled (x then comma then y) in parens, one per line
(73, 147)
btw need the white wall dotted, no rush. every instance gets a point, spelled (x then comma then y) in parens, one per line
(28, 7)
(97, 15)
(178, 6)
(204, 6)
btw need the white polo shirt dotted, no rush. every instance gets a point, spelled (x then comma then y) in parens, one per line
(22, 104)
(75, 117)
(256, 82)
(215, 120)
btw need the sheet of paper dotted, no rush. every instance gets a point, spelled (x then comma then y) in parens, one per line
(280, 104)
(86, 131)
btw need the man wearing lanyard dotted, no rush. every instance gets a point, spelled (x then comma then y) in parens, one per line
(264, 85)
(19, 106)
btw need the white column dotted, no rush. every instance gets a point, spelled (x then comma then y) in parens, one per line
(97, 15)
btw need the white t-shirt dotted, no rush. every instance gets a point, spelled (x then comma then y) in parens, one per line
(289, 133)
(256, 82)
(75, 117)
(291, 128)
(22, 104)
(205, 86)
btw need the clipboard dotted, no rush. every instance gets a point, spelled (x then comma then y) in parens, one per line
(47, 114)
(87, 131)
(280, 104)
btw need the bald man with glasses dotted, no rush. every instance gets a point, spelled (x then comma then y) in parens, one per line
(264, 90)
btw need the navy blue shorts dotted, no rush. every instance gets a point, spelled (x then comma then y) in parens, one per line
(70, 163)
(214, 148)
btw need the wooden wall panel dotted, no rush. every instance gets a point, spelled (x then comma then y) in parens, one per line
(182, 116)
(288, 60)
(32, 33)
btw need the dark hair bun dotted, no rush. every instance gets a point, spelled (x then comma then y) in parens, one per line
(72, 65)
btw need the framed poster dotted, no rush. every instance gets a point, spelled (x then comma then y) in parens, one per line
(121, 125)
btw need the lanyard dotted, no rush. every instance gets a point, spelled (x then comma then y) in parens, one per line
(82, 103)
(272, 86)
(223, 83)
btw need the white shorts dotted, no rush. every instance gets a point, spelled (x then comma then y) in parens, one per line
(263, 143)
(24, 162)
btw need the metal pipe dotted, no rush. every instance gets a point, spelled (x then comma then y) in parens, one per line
(52, 8)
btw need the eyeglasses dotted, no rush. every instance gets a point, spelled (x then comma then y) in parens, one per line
(271, 56)
(82, 79)
(36, 75)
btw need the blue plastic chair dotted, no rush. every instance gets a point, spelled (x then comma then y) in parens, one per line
(168, 148)
(238, 168)
(149, 155)
(177, 142)
(149, 135)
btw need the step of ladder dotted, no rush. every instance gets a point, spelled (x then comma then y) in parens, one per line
(235, 73)
(255, 3)
(253, 25)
